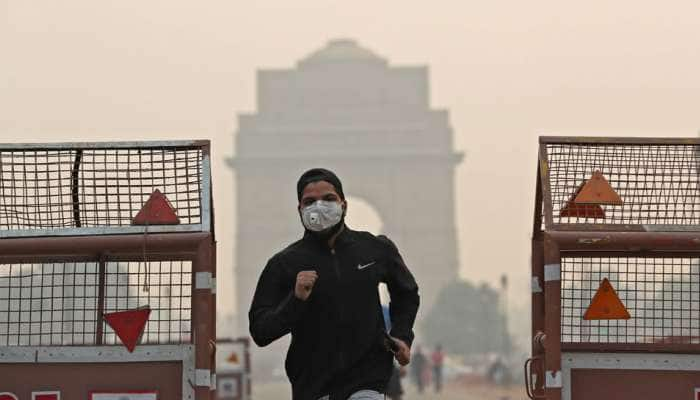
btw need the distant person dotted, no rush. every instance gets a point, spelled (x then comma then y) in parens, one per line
(437, 359)
(498, 372)
(323, 290)
(419, 364)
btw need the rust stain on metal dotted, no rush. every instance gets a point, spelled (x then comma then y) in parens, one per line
(594, 240)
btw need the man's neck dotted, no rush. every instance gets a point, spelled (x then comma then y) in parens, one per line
(331, 241)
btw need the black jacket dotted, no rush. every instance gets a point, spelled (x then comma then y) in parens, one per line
(337, 343)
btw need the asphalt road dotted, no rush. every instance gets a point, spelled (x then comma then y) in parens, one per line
(280, 391)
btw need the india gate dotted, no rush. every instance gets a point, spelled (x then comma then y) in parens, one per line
(347, 109)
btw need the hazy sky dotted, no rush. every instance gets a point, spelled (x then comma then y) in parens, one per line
(506, 70)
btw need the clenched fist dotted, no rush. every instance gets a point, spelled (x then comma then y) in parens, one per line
(402, 352)
(305, 284)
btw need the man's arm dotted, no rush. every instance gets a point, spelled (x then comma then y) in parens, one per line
(275, 309)
(404, 295)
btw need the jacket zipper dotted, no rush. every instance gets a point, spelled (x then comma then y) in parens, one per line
(341, 356)
(336, 267)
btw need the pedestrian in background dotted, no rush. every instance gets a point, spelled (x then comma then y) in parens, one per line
(437, 358)
(419, 364)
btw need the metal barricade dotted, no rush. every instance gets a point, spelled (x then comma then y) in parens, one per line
(615, 269)
(100, 295)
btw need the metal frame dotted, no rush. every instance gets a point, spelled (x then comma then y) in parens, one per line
(111, 354)
(197, 247)
(191, 242)
(626, 361)
(553, 360)
(546, 190)
(206, 189)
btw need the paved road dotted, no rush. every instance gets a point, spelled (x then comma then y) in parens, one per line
(280, 391)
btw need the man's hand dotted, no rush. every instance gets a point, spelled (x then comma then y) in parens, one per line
(402, 352)
(305, 284)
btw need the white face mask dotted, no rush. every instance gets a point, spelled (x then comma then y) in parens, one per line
(321, 215)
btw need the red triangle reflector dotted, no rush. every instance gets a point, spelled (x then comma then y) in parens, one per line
(597, 190)
(573, 209)
(156, 211)
(606, 304)
(233, 358)
(129, 325)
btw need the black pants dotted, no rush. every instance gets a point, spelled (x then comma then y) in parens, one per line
(437, 377)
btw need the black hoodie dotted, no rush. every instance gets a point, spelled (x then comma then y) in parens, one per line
(337, 343)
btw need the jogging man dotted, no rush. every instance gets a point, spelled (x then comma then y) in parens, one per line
(323, 290)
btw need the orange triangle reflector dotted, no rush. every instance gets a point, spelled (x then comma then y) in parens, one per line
(233, 358)
(606, 304)
(572, 209)
(129, 325)
(156, 211)
(597, 190)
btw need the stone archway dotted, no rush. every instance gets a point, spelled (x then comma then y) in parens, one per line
(344, 108)
(363, 216)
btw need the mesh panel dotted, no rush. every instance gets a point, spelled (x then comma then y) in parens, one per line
(57, 303)
(66, 188)
(659, 184)
(48, 304)
(662, 296)
(166, 287)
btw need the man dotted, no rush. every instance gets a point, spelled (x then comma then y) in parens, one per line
(438, 358)
(323, 290)
(418, 369)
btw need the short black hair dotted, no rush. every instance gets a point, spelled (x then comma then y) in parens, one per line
(319, 174)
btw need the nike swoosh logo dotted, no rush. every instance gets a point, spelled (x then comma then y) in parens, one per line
(360, 266)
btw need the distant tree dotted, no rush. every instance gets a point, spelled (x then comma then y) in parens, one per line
(467, 320)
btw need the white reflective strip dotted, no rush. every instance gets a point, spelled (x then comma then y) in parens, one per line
(202, 280)
(202, 377)
(639, 361)
(536, 288)
(671, 228)
(205, 200)
(212, 386)
(93, 354)
(553, 379)
(103, 230)
(552, 272)
(18, 354)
